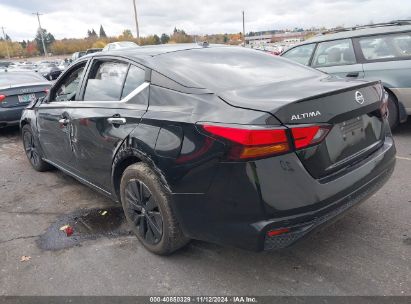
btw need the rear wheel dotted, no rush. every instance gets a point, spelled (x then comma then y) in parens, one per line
(147, 207)
(33, 153)
(393, 114)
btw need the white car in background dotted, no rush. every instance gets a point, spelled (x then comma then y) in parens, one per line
(119, 45)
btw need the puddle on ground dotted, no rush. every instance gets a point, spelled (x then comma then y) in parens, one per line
(87, 224)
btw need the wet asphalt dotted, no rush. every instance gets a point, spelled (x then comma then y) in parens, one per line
(367, 252)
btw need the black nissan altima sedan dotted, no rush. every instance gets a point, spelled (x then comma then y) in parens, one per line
(215, 143)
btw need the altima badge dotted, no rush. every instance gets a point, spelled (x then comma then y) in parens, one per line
(305, 115)
(359, 97)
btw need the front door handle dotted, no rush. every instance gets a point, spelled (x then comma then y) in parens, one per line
(64, 121)
(117, 120)
(353, 74)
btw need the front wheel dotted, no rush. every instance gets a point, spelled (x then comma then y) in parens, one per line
(32, 150)
(147, 207)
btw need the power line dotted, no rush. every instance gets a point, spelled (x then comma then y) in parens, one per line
(41, 33)
(7, 43)
(135, 17)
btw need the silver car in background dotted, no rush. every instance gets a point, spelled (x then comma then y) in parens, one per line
(374, 52)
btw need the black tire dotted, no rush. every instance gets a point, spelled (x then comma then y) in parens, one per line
(147, 207)
(393, 113)
(32, 151)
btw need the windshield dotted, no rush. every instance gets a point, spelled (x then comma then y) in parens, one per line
(10, 78)
(222, 68)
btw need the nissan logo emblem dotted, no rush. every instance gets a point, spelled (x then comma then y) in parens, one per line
(359, 97)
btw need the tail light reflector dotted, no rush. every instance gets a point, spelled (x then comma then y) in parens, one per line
(278, 231)
(384, 106)
(249, 142)
(252, 142)
(308, 136)
(2, 97)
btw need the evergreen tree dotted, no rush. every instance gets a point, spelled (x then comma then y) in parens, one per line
(102, 32)
(48, 40)
(93, 34)
(164, 38)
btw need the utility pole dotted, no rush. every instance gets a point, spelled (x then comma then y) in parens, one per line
(41, 33)
(7, 43)
(243, 30)
(135, 17)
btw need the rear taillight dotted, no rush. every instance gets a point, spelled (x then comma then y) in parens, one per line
(2, 97)
(309, 136)
(384, 106)
(248, 142)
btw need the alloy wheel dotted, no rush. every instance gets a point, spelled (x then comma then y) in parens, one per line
(31, 149)
(144, 212)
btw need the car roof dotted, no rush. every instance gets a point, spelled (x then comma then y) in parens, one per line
(368, 31)
(146, 54)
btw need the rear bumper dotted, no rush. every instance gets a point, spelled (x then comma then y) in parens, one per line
(247, 200)
(10, 116)
(324, 216)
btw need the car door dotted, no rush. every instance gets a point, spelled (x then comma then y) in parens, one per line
(54, 121)
(338, 58)
(115, 97)
(388, 58)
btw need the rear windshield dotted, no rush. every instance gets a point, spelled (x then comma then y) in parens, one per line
(10, 78)
(223, 68)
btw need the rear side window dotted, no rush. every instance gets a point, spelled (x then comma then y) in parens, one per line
(387, 47)
(135, 78)
(105, 81)
(330, 53)
(301, 54)
(67, 89)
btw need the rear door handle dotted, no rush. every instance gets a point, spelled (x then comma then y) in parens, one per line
(117, 120)
(353, 74)
(64, 121)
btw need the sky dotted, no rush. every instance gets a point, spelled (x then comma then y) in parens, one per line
(72, 18)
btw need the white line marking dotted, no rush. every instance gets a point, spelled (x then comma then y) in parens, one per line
(403, 158)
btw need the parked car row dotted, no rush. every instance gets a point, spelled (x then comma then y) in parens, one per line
(109, 47)
(48, 69)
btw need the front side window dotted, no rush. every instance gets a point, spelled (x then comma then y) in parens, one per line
(69, 87)
(105, 81)
(330, 53)
(301, 54)
(387, 47)
(135, 78)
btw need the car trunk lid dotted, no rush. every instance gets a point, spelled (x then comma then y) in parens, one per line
(350, 109)
(22, 95)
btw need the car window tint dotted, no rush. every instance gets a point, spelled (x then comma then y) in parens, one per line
(386, 47)
(339, 52)
(135, 77)
(68, 88)
(106, 81)
(301, 54)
